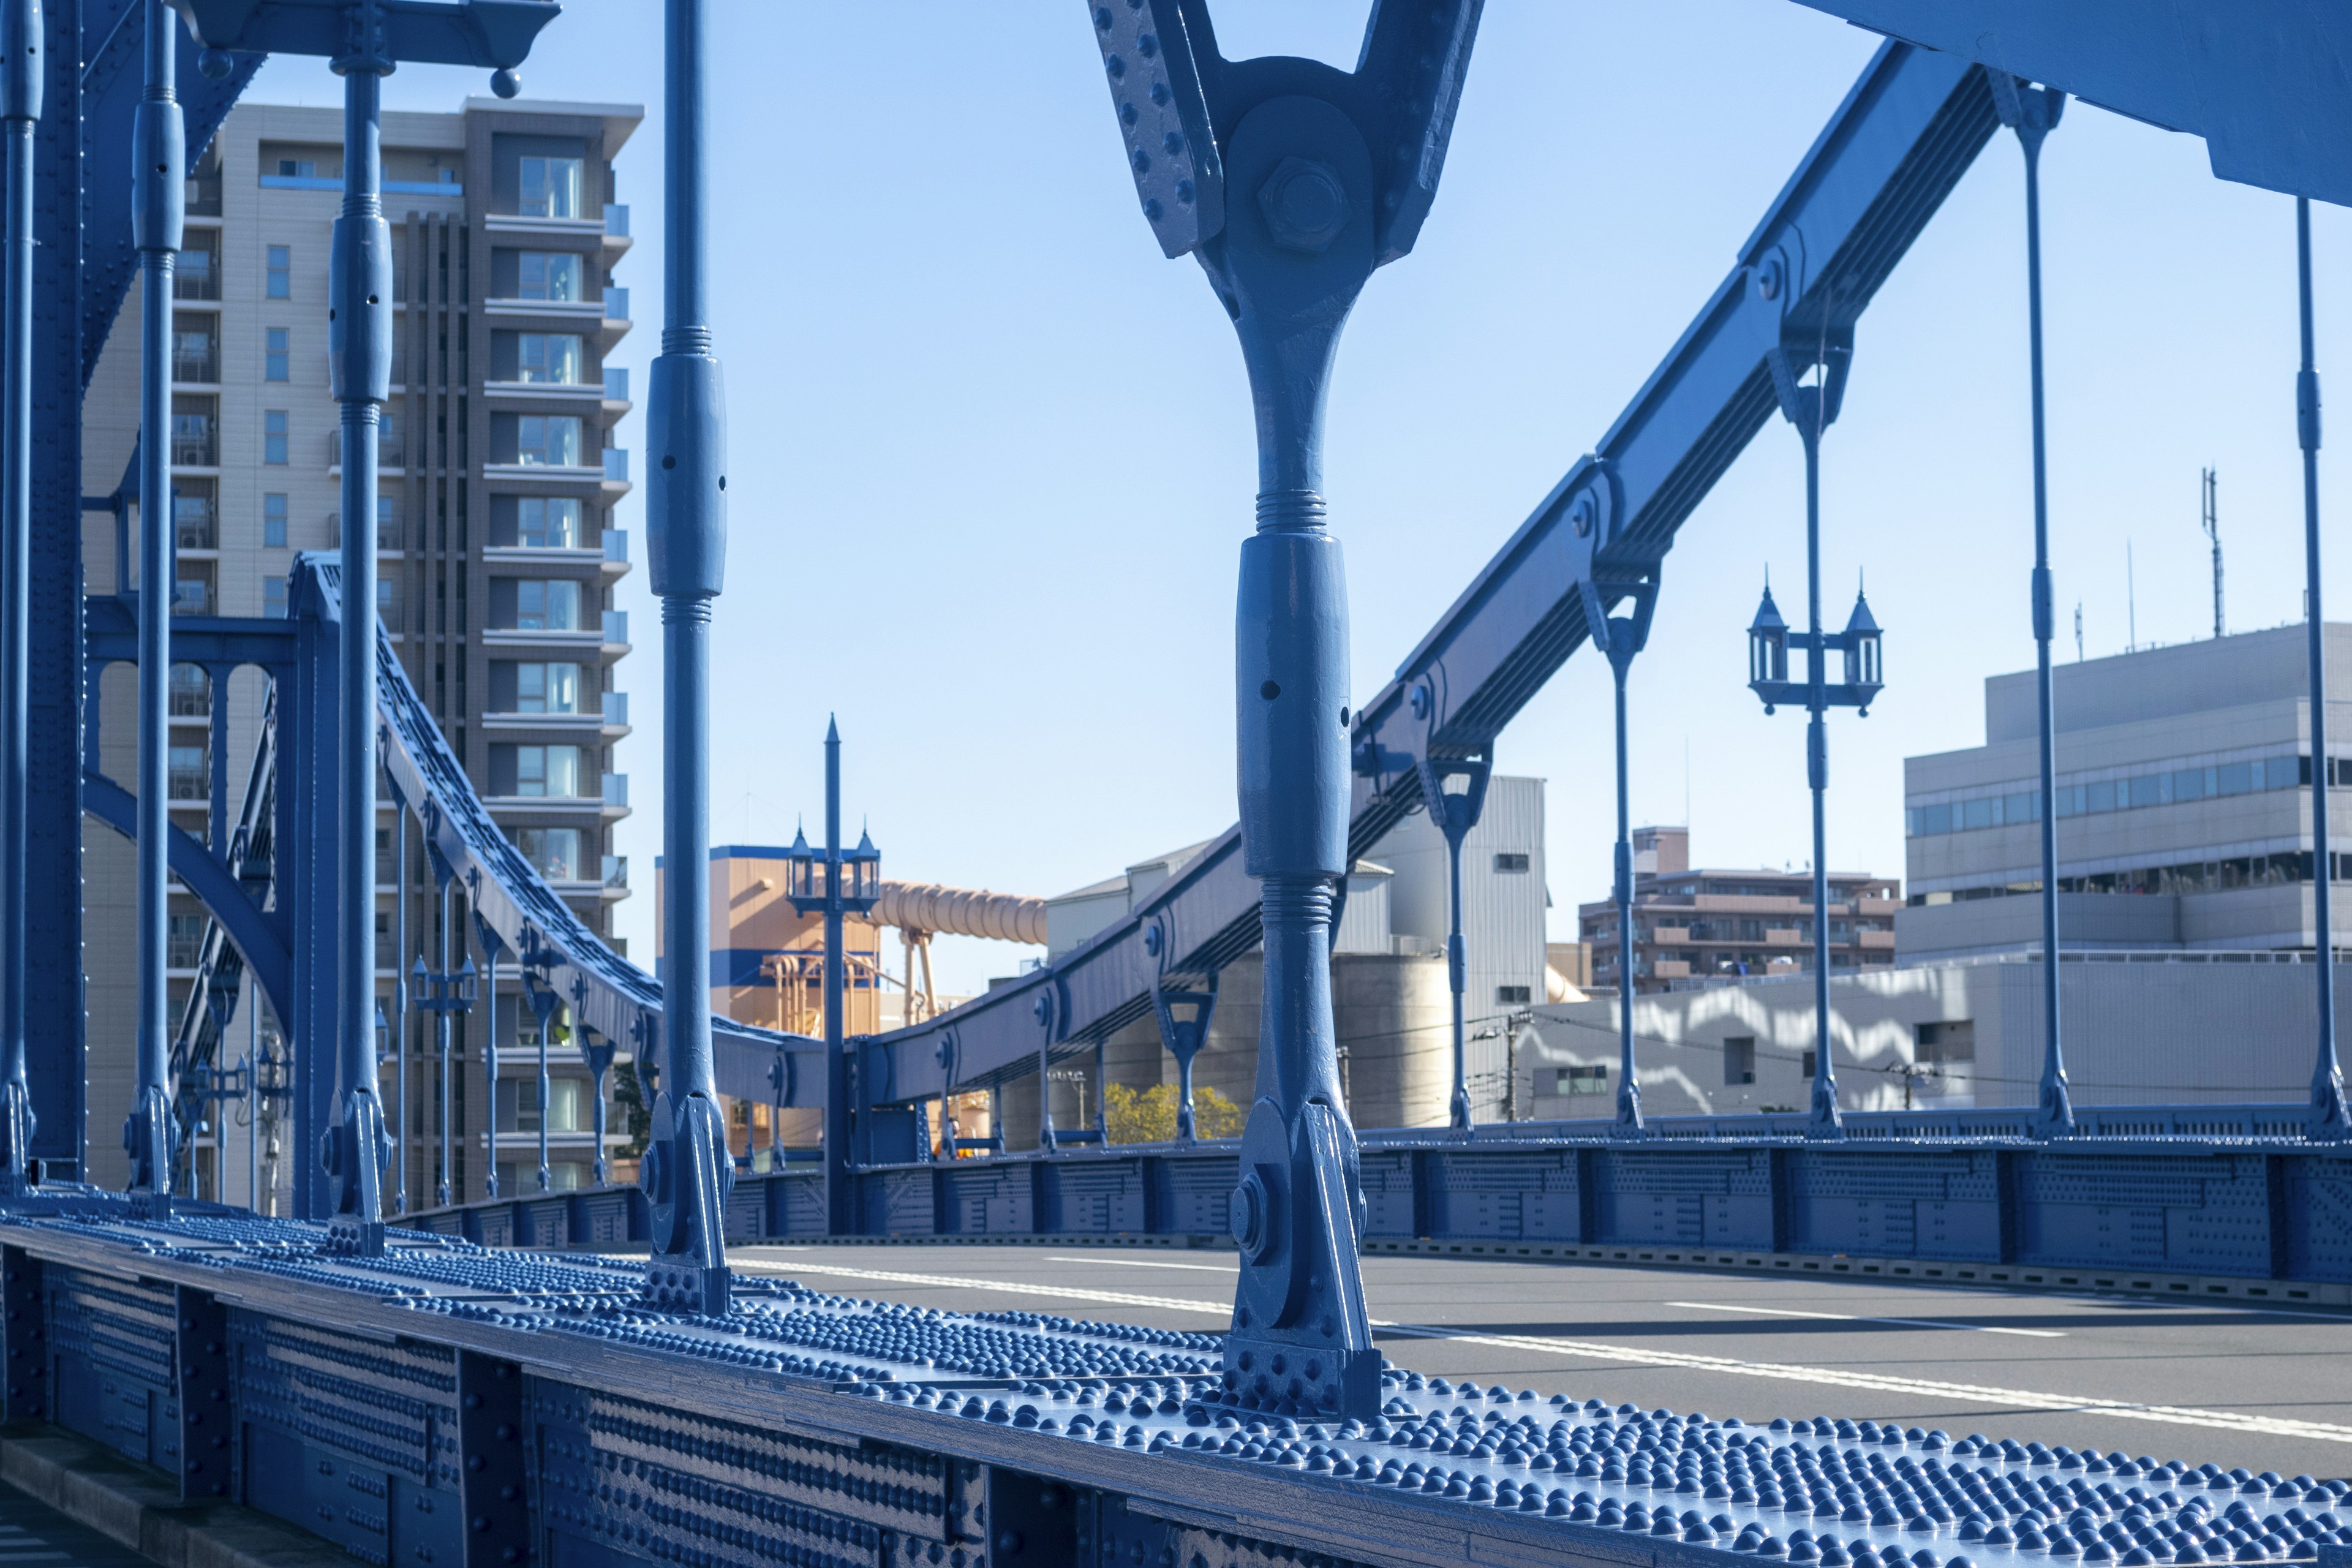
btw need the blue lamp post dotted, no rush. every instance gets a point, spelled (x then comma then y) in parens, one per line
(363, 41)
(850, 884)
(20, 108)
(1811, 406)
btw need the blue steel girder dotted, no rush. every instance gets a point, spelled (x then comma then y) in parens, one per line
(1913, 123)
(608, 993)
(259, 934)
(2267, 83)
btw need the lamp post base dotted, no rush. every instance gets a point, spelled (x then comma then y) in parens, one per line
(680, 1286)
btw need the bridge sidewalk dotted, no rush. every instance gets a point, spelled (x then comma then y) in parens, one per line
(94, 1486)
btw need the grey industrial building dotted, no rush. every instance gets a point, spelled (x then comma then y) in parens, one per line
(2184, 817)
(1393, 1010)
(498, 553)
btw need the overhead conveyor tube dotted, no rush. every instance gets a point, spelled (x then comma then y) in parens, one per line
(939, 911)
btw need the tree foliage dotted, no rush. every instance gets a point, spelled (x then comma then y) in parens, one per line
(1148, 1116)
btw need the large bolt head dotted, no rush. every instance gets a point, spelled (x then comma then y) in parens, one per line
(1252, 1220)
(1306, 205)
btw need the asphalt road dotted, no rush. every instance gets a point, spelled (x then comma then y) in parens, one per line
(2260, 1387)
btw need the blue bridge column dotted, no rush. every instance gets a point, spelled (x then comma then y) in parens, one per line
(20, 109)
(1289, 182)
(687, 1170)
(158, 213)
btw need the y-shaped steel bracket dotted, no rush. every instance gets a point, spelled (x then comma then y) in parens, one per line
(1052, 1013)
(1182, 1035)
(1289, 181)
(1453, 815)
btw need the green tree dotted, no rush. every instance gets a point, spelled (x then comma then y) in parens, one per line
(1148, 1116)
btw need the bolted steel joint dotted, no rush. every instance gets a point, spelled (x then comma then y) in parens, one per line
(1305, 204)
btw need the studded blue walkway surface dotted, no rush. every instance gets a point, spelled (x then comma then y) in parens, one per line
(1836, 1493)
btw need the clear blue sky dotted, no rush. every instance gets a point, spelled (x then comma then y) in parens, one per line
(992, 455)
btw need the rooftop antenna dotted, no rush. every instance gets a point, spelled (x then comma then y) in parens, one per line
(2078, 631)
(2131, 603)
(2212, 486)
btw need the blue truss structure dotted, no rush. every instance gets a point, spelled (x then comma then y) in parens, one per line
(424, 1398)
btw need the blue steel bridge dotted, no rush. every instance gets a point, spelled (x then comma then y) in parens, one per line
(492, 1383)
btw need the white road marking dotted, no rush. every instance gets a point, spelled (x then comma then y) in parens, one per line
(1856, 1318)
(1143, 1263)
(1626, 1355)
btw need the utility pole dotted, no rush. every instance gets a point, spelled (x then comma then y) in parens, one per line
(2211, 509)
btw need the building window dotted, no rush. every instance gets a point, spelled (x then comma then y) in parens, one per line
(551, 357)
(195, 436)
(387, 603)
(1739, 1060)
(273, 596)
(388, 522)
(550, 188)
(550, 274)
(543, 605)
(273, 521)
(1507, 862)
(1512, 995)
(1805, 1067)
(547, 771)
(548, 440)
(280, 275)
(273, 436)
(297, 168)
(553, 852)
(185, 779)
(276, 355)
(547, 689)
(1580, 1080)
(546, 522)
(185, 943)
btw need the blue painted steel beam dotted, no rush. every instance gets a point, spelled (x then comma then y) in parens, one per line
(21, 82)
(2267, 83)
(256, 934)
(1912, 125)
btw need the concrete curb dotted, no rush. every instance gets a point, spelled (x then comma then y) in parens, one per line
(97, 1487)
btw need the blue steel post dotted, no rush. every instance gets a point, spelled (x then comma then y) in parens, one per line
(1619, 638)
(687, 1171)
(2034, 114)
(158, 213)
(359, 335)
(400, 1004)
(20, 108)
(542, 1005)
(1823, 1118)
(837, 1120)
(490, 946)
(1289, 182)
(2329, 1118)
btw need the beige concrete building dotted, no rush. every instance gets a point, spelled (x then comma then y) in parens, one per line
(498, 552)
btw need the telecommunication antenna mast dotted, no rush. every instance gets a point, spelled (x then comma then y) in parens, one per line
(2211, 499)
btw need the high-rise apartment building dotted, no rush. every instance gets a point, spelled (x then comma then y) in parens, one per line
(495, 524)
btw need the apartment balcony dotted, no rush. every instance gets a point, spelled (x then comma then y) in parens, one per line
(617, 303)
(617, 628)
(616, 384)
(388, 453)
(196, 451)
(616, 465)
(616, 220)
(197, 277)
(616, 791)
(193, 525)
(616, 710)
(1878, 939)
(617, 872)
(201, 368)
(616, 546)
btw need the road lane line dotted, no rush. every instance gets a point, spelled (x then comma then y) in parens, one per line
(1626, 1355)
(1857, 1318)
(1145, 1263)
